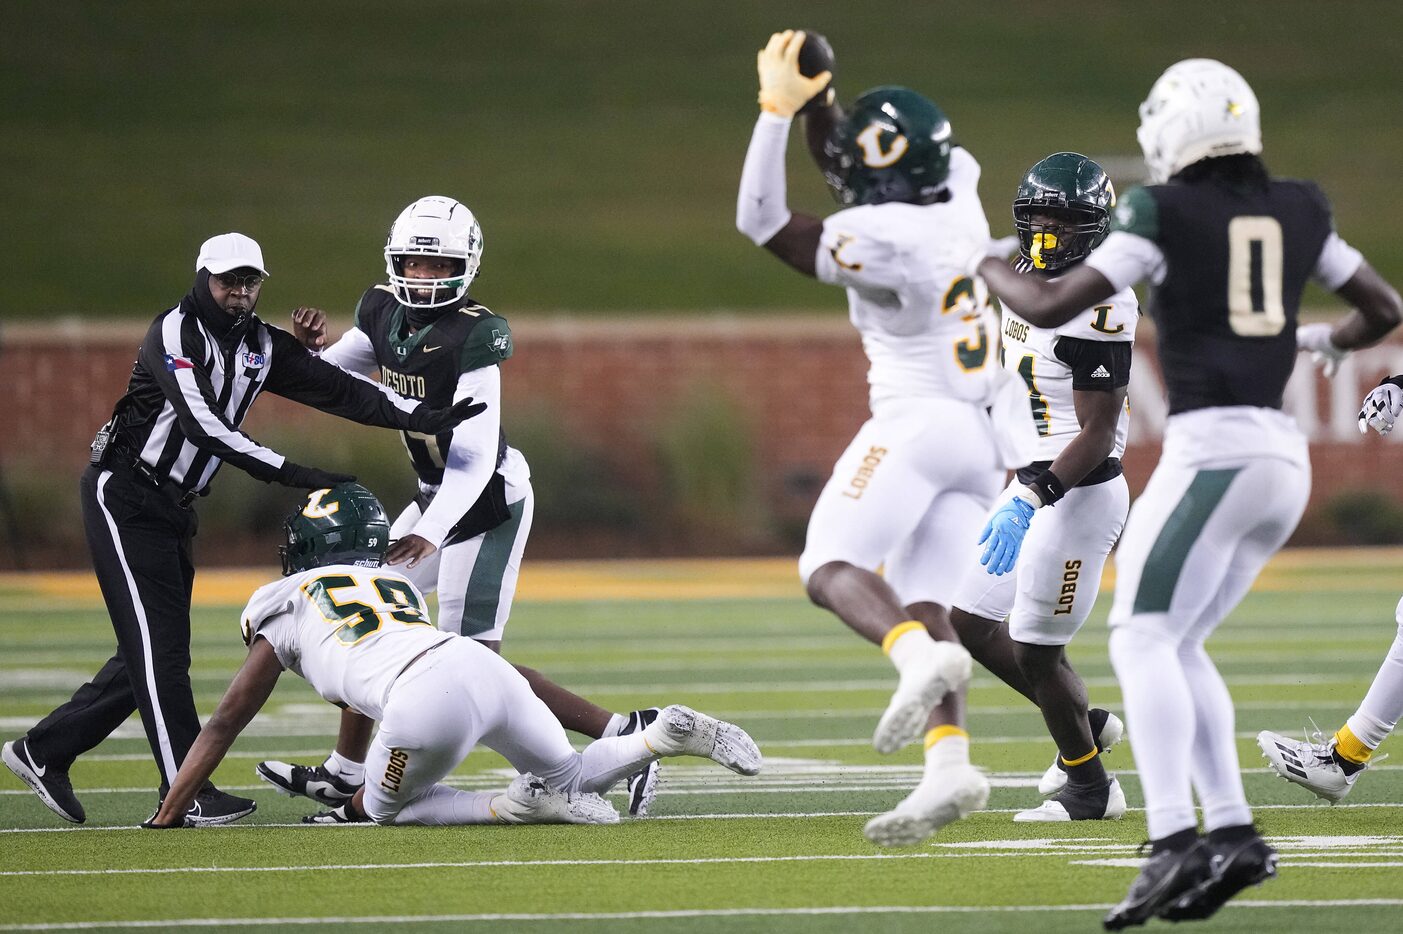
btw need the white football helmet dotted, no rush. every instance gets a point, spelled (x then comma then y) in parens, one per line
(1199, 108)
(433, 226)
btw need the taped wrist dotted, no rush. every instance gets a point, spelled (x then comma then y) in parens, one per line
(1048, 487)
(1392, 381)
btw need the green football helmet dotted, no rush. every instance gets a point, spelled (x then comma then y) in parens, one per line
(1062, 210)
(342, 525)
(894, 145)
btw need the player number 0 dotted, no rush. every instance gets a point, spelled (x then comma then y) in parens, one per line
(1254, 277)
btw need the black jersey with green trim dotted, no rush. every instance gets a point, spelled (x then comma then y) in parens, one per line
(427, 363)
(1237, 261)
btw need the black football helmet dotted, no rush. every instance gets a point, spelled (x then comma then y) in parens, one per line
(342, 525)
(894, 145)
(1062, 210)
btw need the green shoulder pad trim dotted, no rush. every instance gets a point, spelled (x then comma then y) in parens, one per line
(487, 344)
(1136, 212)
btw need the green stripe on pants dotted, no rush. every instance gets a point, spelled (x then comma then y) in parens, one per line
(484, 594)
(1160, 575)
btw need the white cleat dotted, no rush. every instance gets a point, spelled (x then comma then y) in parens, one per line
(1309, 763)
(682, 731)
(1054, 811)
(529, 800)
(1055, 777)
(941, 798)
(945, 667)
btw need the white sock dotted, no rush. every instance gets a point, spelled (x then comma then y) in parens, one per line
(606, 762)
(1213, 766)
(950, 750)
(616, 723)
(913, 643)
(345, 769)
(1159, 714)
(1382, 706)
(442, 806)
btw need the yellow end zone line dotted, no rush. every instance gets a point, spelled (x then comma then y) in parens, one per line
(1295, 570)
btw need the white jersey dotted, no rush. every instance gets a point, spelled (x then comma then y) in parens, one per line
(1049, 370)
(928, 327)
(348, 630)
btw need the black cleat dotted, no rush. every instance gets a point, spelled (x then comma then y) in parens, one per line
(643, 784)
(313, 782)
(50, 784)
(212, 806)
(1232, 868)
(1165, 876)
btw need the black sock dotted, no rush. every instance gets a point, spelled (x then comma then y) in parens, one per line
(1096, 718)
(1229, 836)
(1178, 842)
(1089, 774)
(1346, 766)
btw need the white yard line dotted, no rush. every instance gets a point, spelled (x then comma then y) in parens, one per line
(386, 920)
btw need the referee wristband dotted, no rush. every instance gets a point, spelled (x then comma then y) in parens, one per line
(1047, 487)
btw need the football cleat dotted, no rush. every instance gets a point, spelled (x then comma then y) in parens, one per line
(1075, 803)
(1162, 880)
(942, 668)
(1309, 763)
(942, 797)
(306, 781)
(682, 731)
(643, 784)
(529, 800)
(50, 784)
(1232, 868)
(337, 815)
(1108, 730)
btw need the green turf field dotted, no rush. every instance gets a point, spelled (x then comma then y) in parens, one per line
(782, 852)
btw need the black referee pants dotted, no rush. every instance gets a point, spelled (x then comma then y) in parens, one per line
(140, 542)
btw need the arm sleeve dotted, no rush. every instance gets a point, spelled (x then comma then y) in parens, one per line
(300, 376)
(1126, 258)
(472, 456)
(761, 206)
(1337, 264)
(1097, 366)
(353, 353)
(176, 353)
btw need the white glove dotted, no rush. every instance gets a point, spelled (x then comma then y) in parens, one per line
(1381, 408)
(782, 89)
(1315, 338)
(1000, 249)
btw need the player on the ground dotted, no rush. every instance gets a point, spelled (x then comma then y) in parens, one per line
(359, 632)
(1329, 767)
(914, 484)
(1227, 250)
(1076, 376)
(423, 334)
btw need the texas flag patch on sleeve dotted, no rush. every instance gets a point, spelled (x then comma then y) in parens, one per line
(174, 363)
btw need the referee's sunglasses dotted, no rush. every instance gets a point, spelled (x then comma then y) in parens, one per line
(234, 282)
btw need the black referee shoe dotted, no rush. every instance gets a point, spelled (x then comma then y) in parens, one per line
(643, 784)
(313, 782)
(51, 785)
(212, 806)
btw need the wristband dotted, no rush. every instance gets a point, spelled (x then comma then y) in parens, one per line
(1048, 488)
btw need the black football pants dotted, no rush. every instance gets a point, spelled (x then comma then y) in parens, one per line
(140, 542)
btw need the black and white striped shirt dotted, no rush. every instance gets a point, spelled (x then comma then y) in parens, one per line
(195, 377)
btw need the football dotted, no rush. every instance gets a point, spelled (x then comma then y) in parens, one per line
(815, 57)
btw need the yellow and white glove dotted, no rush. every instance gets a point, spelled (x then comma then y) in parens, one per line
(1315, 339)
(783, 90)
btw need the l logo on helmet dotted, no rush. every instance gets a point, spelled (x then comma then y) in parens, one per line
(315, 509)
(870, 140)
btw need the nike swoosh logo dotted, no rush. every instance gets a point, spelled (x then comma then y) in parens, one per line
(32, 764)
(433, 348)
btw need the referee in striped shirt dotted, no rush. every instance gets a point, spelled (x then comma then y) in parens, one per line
(200, 366)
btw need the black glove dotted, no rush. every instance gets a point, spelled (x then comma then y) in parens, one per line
(310, 478)
(429, 421)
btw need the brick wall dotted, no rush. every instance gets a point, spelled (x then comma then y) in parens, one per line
(800, 382)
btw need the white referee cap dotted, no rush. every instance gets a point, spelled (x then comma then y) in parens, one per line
(230, 251)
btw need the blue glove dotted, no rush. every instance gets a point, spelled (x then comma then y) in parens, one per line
(1004, 532)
